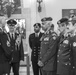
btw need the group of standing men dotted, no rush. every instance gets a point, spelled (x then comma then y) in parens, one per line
(11, 50)
(53, 53)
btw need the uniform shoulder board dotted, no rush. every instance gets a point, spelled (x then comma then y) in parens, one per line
(54, 35)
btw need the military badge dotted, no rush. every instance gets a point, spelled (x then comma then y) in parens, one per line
(46, 39)
(54, 38)
(8, 43)
(66, 41)
(74, 44)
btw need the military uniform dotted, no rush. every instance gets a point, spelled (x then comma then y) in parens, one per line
(5, 55)
(64, 56)
(34, 43)
(74, 54)
(48, 53)
(17, 54)
(16, 48)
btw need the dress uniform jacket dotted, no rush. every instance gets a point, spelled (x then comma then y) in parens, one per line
(17, 52)
(5, 54)
(48, 51)
(74, 54)
(64, 56)
(34, 43)
(5, 47)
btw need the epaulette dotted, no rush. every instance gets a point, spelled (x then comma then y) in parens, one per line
(54, 35)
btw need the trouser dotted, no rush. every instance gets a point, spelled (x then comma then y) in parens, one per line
(4, 68)
(44, 72)
(15, 68)
(36, 68)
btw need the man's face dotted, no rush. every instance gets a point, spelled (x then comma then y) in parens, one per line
(62, 27)
(37, 28)
(11, 28)
(70, 25)
(45, 25)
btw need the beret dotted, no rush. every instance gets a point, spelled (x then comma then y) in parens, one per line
(37, 24)
(62, 20)
(72, 11)
(74, 18)
(46, 19)
(11, 22)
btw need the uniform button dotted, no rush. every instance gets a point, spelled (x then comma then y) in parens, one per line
(40, 57)
(69, 50)
(34, 55)
(57, 55)
(12, 50)
(12, 58)
(60, 44)
(65, 64)
(64, 46)
(40, 52)
(69, 58)
(69, 63)
(73, 66)
(59, 49)
(34, 49)
(58, 61)
(45, 43)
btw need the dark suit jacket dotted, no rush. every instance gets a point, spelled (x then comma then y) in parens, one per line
(34, 43)
(17, 52)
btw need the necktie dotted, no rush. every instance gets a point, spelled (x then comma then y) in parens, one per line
(36, 34)
(12, 36)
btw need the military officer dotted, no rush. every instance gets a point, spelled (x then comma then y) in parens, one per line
(5, 54)
(64, 56)
(16, 47)
(34, 43)
(48, 51)
(74, 46)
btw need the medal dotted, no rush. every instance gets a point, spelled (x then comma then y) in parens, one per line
(8, 43)
(66, 41)
(74, 44)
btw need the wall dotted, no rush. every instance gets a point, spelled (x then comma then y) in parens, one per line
(51, 8)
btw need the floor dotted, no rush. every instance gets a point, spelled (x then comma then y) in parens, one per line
(23, 71)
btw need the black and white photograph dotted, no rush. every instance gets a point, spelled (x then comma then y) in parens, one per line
(37, 37)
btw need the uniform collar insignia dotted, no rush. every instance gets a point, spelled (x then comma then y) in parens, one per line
(46, 39)
(74, 44)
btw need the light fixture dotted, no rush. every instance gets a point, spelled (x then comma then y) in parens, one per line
(39, 7)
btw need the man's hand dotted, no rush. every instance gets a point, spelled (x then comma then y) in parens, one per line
(40, 63)
(21, 61)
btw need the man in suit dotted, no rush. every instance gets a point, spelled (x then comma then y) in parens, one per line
(64, 56)
(48, 50)
(34, 43)
(16, 44)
